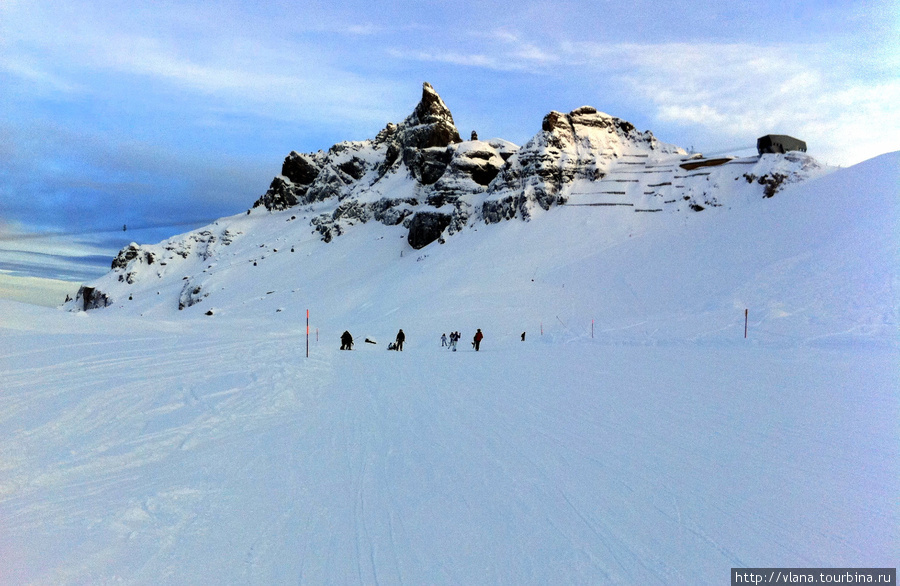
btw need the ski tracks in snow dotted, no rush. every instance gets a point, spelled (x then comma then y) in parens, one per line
(203, 457)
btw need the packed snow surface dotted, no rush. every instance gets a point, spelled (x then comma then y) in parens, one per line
(634, 437)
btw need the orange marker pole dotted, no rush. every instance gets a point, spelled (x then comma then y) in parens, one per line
(307, 333)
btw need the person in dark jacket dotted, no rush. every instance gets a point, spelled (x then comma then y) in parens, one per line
(400, 338)
(346, 341)
(477, 340)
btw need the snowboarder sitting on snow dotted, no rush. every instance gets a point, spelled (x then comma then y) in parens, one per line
(400, 338)
(346, 341)
(477, 340)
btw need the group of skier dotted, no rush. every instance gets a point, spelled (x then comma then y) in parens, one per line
(455, 337)
(397, 344)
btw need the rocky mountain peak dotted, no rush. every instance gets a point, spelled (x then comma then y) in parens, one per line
(430, 109)
(580, 122)
(431, 123)
(421, 174)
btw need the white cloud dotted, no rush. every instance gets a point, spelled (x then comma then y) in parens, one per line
(276, 78)
(730, 91)
(251, 63)
(746, 91)
(455, 58)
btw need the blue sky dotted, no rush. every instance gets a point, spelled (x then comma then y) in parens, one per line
(164, 113)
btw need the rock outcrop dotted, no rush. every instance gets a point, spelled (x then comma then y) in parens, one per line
(423, 147)
(582, 144)
(90, 298)
(453, 182)
(426, 227)
(419, 175)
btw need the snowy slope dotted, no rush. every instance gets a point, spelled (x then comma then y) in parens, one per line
(144, 444)
(641, 277)
(239, 461)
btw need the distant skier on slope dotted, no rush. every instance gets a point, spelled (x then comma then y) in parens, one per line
(346, 341)
(477, 340)
(444, 340)
(454, 338)
(400, 338)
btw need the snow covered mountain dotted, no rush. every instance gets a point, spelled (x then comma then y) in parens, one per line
(182, 435)
(420, 176)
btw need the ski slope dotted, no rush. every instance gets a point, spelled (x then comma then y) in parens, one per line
(140, 444)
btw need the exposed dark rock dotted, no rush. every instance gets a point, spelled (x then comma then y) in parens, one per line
(91, 298)
(421, 142)
(191, 294)
(771, 182)
(473, 167)
(281, 195)
(392, 211)
(555, 121)
(484, 175)
(353, 211)
(324, 223)
(430, 124)
(481, 163)
(298, 173)
(300, 169)
(355, 168)
(427, 165)
(328, 185)
(498, 210)
(131, 252)
(386, 134)
(426, 227)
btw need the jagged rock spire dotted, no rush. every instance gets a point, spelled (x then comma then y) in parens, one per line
(431, 123)
(430, 109)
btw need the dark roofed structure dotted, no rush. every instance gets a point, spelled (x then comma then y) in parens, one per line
(779, 143)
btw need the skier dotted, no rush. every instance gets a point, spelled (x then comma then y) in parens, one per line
(523, 336)
(444, 340)
(346, 341)
(454, 338)
(477, 340)
(400, 338)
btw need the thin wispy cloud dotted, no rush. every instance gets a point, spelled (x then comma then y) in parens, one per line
(280, 79)
(734, 89)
